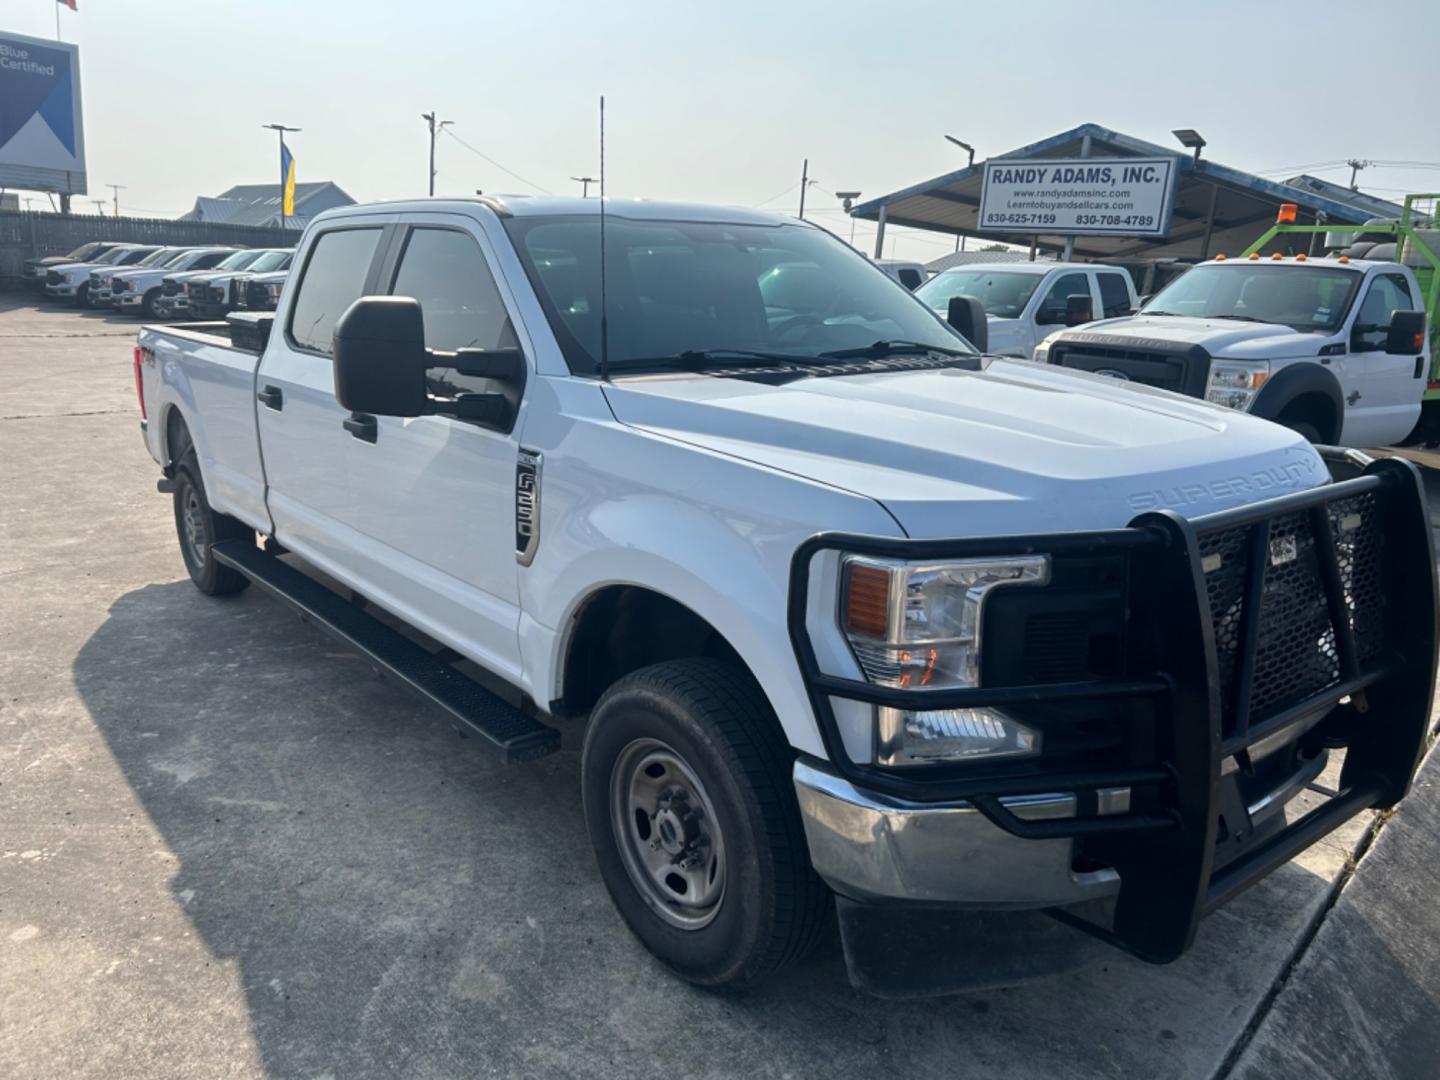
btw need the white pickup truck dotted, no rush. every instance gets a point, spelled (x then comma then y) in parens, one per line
(987, 652)
(1026, 301)
(1334, 348)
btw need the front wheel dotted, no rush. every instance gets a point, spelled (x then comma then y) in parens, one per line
(147, 306)
(692, 814)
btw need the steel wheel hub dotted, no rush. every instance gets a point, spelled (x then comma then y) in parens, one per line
(668, 834)
(193, 517)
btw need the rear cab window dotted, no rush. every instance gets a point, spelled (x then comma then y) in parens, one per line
(333, 278)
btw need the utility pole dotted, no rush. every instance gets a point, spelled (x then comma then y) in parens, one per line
(99, 206)
(115, 190)
(281, 129)
(436, 126)
(584, 182)
(1355, 166)
(804, 183)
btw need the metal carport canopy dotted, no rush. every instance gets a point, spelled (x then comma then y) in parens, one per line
(1217, 209)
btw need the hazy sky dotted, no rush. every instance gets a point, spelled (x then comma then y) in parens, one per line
(719, 102)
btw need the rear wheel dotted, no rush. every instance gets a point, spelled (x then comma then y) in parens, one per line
(200, 528)
(692, 814)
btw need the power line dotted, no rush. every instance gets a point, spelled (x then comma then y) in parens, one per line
(781, 195)
(502, 168)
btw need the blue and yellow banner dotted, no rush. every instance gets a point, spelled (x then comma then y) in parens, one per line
(287, 181)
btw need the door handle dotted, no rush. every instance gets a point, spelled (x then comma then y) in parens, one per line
(272, 398)
(362, 426)
(1419, 366)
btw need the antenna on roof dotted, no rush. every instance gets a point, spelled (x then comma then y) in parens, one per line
(604, 325)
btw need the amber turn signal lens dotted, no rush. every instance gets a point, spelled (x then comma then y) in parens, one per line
(867, 601)
(1286, 216)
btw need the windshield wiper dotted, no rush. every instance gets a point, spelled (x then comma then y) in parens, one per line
(697, 359)
(1237, 318)
(893, 348)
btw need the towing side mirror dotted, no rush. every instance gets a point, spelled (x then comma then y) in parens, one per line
(1406, 336)
(1078, 310)
(380, 357)
(967, 316)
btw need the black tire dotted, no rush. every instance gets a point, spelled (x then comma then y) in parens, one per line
(147, 306)
(199, 528)
(716, 720)
(1302, 427)
(82, 295)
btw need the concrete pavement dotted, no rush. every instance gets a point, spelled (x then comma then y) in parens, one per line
(226, 850)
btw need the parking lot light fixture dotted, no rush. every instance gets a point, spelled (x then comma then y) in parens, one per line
(1190, 139)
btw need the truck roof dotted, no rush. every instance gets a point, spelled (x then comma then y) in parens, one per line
(1302, 260)
(569, 206)
(1036, 268)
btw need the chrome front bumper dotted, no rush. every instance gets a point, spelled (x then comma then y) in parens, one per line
(874, 848)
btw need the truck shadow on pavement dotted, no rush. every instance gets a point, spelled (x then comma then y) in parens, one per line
(397, 903)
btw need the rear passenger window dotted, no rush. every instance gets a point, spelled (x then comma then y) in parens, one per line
(910, 278)
(1114, 296)
(445, 270)
(334, 278)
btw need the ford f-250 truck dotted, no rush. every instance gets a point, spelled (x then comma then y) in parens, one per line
(1335, 348)
(977, 647)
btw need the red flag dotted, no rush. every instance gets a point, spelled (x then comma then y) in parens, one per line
(70, 4)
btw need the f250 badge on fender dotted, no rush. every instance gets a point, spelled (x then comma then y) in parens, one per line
(527, 505)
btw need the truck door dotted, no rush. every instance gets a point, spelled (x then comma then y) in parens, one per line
(304, 447)
(1382, 392)
(433, 521)
(1049, 305)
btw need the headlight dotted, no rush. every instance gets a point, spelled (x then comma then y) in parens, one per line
(917, 626)
(69, 278)
(1042, 353)
(273, 291)
(1234, 383)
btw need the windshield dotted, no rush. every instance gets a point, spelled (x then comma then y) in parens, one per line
(268, 260)
(158, 258)
(1312, 298)
(85, 251)
(1002, 293)
(131, 258)
(693, 287)
(239, 261)
(112, 257)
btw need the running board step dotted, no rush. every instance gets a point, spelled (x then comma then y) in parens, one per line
(503, 727)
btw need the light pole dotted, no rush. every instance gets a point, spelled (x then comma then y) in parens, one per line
(436, 126)
(847, 200)
(115, 190)
(584, 182)
(281, 129)
(970, 164)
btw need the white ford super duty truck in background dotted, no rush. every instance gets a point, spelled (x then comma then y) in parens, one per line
(983, 651)
(1335, 349)
(1024, 302)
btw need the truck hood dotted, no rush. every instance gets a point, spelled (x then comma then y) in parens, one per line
(1220, 337)
(1012, 448)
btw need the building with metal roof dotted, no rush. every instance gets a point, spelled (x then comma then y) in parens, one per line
(259, 204)
(974, 258)
(1216, 209)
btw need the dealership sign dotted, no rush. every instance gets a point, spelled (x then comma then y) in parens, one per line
(42, 145)
(1080, 196)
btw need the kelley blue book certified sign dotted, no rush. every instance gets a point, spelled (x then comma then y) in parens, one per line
(1107, 196)
(42, 145)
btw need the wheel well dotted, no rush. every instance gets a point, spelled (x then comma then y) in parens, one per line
(177, 437)
(623, 628)
(1315, 409)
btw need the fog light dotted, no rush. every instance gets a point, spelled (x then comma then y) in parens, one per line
(932, 736)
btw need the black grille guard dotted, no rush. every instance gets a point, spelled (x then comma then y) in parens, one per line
(1376, 699)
